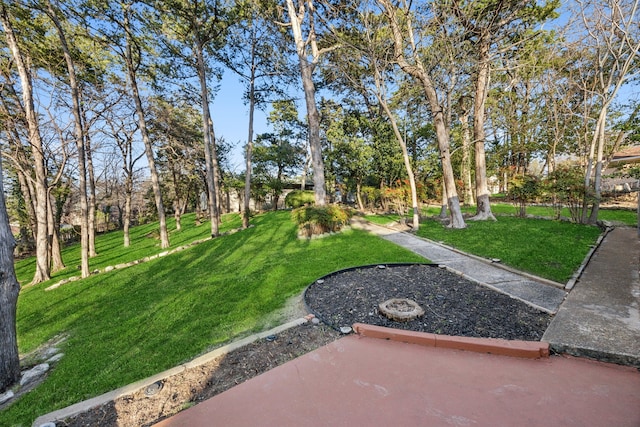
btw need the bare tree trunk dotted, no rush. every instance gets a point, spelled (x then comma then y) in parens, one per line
(249, 153)
(148, 148)
(442, 130)
(43, 271)
(359, 196)
(91, 201)
(209, 143)
(57, 263)
(9, 290)
(79, 137)
(466, 159)
(599, 165)
(483, 207)
(127, 210)
(306, 73)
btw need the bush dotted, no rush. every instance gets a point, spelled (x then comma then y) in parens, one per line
(522, 190)
(319, 220)
(298, 198)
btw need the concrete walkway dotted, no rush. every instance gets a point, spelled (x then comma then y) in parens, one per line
(540, 293)
(601, 316)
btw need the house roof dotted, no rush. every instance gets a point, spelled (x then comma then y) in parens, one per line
(627, 155)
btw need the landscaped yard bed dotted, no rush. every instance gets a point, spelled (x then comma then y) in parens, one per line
(452, 304)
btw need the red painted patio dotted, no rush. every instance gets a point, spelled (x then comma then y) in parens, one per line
(366, 381)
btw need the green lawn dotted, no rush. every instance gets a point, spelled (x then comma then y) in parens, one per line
(144, 242)
(547, 248)
(132, 323)
(624, 216)
(550, 249)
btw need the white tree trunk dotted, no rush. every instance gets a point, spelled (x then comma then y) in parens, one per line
(306, 73)
(43, 269)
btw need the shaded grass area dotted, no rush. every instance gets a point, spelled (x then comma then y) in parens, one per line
(549, 249)
(145, 241)
(129, 324)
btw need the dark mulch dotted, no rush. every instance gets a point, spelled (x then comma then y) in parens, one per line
(453, 305)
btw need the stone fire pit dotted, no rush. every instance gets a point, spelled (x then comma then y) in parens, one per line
(400, 309)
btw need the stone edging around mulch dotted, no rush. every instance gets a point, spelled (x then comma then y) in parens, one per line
(512, 348)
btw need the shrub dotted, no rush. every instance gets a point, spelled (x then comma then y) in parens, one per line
(566, 188)
(522, 190)
(319, 220)
(298, 198)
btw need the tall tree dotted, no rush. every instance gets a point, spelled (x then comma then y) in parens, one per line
(613, 41)
(9, 290)
(489, 25)
(300, 18)
(132, 56)
(78, 135)
(195, 27)
(255, 53)
(407, 56)
(43, 268)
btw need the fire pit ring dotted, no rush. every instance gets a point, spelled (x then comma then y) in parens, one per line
(400, 309)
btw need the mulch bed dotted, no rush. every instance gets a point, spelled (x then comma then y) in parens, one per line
(453, 305)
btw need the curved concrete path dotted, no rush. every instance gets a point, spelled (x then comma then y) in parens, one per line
(537, 292)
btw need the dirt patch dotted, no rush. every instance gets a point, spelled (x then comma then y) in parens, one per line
(152, 404)
(452, 304)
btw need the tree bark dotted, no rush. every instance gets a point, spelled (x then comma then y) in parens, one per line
(249, 153)
(466, 156)
(313, 116)
(142, 124)
(209, 141)
(9, 290)
(43, 269)
(79, 137)
(483, 207)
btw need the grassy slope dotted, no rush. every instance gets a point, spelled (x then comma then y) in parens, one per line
(128, 324)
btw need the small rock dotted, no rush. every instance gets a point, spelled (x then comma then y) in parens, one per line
(109, 268)
(320, 281)
(382, 267)
(495, 259)
(5, 397)
(315, 321)
(34, 373)
(50, 352)
(345, 330)
(55, 358)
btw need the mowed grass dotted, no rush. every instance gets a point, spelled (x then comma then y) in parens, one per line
(129, 324)
(546, 248)
(145, 241)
